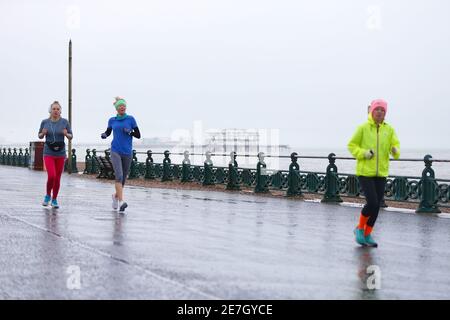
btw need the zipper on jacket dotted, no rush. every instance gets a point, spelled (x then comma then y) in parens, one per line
(378, 144)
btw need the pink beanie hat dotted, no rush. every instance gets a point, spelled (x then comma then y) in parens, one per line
(378, 103)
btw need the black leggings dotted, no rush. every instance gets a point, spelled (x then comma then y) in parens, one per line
(373, 189)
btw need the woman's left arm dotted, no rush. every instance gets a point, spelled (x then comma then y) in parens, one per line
(68, 131)
(135, 133)
(395, 145)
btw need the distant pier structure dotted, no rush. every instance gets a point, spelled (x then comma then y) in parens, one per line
(243, 141)
(223, 141)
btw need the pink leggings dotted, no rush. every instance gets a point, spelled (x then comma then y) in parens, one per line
(55, 167)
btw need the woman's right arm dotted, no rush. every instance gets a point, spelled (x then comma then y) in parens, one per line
(108, 130)
(107, 133)
(42, 131)
(354, 145)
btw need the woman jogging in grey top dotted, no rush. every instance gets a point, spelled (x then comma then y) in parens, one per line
(54, 129)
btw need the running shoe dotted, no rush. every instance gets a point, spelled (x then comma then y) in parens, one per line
(123, 206)
(359, 236)
(370, 242)
(46, 200)
(55, 204)
(115, 202)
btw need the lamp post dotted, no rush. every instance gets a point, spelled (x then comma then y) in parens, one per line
(69, 164)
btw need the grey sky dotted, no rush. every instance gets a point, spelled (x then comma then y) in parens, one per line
(307, 68)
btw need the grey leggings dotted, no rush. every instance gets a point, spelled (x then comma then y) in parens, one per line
(121, 165)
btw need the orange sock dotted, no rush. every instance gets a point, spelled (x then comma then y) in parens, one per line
(362, 221)
(367, 231)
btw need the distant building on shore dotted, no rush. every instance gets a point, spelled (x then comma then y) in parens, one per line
(243, 141)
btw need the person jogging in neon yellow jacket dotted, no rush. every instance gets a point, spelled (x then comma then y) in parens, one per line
(372, 144)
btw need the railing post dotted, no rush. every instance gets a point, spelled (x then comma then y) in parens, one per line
(428, 189)
(186, 168)
(9, 157)
(208, 174)
(294, 188)
(87, 162)
(26, 158)
(74, 161)
(133, 167)
(167, 176)
(331, 181)
(94, 165)
(14, 157)
(233, 175)
(261, 175)
(20, 161)
(149, 172)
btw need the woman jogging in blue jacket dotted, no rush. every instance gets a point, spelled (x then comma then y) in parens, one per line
(124, 128)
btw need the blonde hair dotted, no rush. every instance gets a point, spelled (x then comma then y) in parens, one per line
(117, 99)
(51, 106)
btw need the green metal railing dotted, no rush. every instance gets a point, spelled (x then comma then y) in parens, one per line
(18, 157)
(427, 191)
(74, 163)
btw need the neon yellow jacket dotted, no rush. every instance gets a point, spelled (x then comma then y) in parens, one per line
(380, 140)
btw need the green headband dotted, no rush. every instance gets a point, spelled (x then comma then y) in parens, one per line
(119, 103)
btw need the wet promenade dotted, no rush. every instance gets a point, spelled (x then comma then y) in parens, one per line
(189, 244)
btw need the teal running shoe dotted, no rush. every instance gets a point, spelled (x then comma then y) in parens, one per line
(47, 199)
(370, 242)
(55, 204)
(359, 235)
